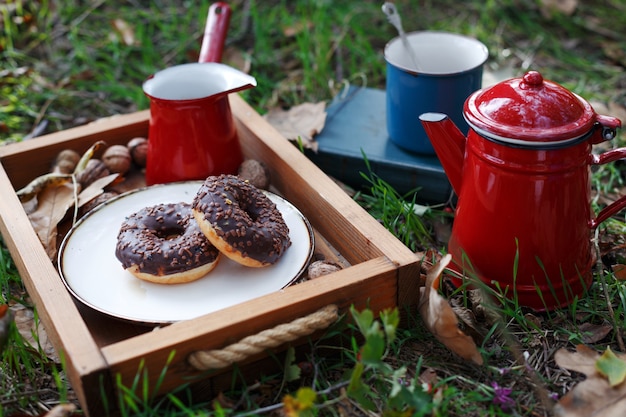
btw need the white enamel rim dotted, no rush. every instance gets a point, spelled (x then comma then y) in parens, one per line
(526, 143)
(438, 53)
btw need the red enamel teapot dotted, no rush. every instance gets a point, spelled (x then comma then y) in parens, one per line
(523, 224)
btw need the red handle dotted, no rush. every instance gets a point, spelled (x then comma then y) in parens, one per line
(620, 204)
(215, 31)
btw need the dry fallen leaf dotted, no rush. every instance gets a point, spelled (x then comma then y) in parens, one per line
(440, 318)
(40, 183)
(125, 31)
(95, 189)
(593, 396)
(53, 204)
(566, 7)
(299, 27)
(61, 410)
(33, 331)
(619, 272)
(583, 360)
(237, 58)
(610, 109)
(467, 318)
(300, 123)
(614, 51)
(55, 194)
(593, 333)
(617, 110)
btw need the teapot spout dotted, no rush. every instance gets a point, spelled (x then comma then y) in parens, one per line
(449, 144)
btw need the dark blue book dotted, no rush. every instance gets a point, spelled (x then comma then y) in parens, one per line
(355, 126)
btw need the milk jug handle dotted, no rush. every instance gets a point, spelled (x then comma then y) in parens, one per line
(616, 206)
(215, 31)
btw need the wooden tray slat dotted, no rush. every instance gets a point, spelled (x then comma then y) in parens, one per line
(56, 309)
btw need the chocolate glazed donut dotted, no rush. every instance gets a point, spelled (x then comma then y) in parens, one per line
(164, 244)
(241, 221)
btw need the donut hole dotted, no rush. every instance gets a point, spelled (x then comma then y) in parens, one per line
(253, 215)
(252, 209)
(170, 233)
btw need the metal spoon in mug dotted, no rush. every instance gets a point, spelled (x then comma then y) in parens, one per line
(394, 18)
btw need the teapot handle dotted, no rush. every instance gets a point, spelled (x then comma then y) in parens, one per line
(618, 205)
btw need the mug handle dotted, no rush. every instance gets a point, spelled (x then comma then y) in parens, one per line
(619, 204)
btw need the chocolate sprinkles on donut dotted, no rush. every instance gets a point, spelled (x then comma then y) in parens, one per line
(164, 244)
(241, 221)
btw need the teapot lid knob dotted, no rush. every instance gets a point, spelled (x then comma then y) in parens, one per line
(533, 79)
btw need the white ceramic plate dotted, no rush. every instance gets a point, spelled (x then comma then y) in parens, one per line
(93, 274)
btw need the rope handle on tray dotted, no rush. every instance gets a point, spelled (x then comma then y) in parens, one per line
(203, 360)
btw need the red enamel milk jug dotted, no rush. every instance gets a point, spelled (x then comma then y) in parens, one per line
(192, 133)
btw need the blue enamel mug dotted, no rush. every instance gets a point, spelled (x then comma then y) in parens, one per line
(446, 69)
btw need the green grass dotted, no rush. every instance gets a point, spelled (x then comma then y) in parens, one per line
(76, 60)
(65, 65)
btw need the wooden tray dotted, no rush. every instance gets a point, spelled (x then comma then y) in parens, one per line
(381, 271)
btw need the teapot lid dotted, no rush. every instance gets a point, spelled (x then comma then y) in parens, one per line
(529, 111)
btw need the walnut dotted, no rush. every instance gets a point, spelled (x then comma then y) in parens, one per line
(94, 170)
(138, 148)
(117, 159)
(320, 268)
(66, 161)
(255, 172)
